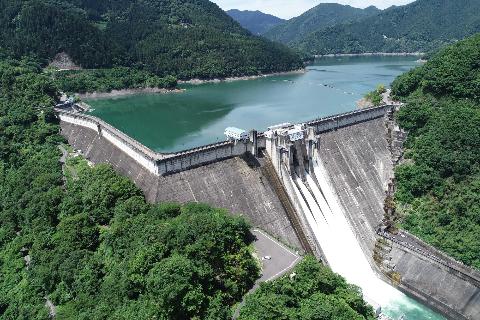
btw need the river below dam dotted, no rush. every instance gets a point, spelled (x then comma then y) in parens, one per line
(177, 121)
(198, 116)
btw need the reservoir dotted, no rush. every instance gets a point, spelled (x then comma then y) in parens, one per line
(198, 116)
(177, 121)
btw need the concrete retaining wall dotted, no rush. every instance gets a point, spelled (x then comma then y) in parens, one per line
(435, 284)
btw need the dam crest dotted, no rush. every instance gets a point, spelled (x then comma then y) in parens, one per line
(168, 163)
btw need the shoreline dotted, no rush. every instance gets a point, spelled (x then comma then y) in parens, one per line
(231, 79)
(125, 92)
(128, 92)
(368, 54)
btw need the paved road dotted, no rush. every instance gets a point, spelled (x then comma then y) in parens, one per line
(282, 258)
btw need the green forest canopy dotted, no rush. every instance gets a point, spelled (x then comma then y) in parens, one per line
(318, 18)
(255, 21)
(90, 244)
(182, 38)
(438, 188)
(106, 80)
(94, 247)
(310, 292)
(421, 26)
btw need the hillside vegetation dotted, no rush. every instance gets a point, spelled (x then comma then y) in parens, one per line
(322, 16)
(311, 291)
(106, 80)
(256, 22)
(421, 26)
(438, 188)
(183, 38)
(90, 243)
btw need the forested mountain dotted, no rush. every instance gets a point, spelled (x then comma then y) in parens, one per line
(423, 25)
(256, 22)
(438, 187)
(322, 16)
(184, 38)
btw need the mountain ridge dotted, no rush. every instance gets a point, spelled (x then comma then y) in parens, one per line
(420, 26)
(257, 22)
(319, 17)
(187, 39)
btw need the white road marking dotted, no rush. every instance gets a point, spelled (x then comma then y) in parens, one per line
(297, 257)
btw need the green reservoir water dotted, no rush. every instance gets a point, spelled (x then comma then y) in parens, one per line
(172, 122)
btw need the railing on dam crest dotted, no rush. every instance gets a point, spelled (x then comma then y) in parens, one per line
(166, 163)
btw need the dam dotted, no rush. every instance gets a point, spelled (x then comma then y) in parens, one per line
(322, 193)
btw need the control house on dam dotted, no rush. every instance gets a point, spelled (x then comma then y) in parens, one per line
(318, 186)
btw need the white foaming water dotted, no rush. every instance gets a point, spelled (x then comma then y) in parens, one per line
(342, 249)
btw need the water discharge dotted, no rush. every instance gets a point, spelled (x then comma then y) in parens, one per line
(342, 249)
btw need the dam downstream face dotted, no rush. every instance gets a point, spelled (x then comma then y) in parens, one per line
(173, 122)
(344, 253)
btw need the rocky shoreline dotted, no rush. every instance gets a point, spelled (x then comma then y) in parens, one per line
(230, 79)
(125, 92)
(368, 54)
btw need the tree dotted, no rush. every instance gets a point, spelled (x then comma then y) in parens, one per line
(312, 291)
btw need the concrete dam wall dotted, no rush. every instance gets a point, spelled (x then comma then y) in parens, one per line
(153, 162)
(359, 166)
(167, 163)
(233, 183)
(356, 160)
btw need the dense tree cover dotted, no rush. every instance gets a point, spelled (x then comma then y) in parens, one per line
(322, 16)
(453, 72)
(438, 188)
(256, 22)
(375, 96)
(183, 38)
(91, 245)
(106, 80)
(311, 292)
(420, 26)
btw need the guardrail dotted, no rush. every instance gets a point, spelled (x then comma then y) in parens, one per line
(102, 126)
(348, 118)
(453, 265)
(163, 163)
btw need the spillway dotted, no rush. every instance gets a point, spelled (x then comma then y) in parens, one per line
(342, 249)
